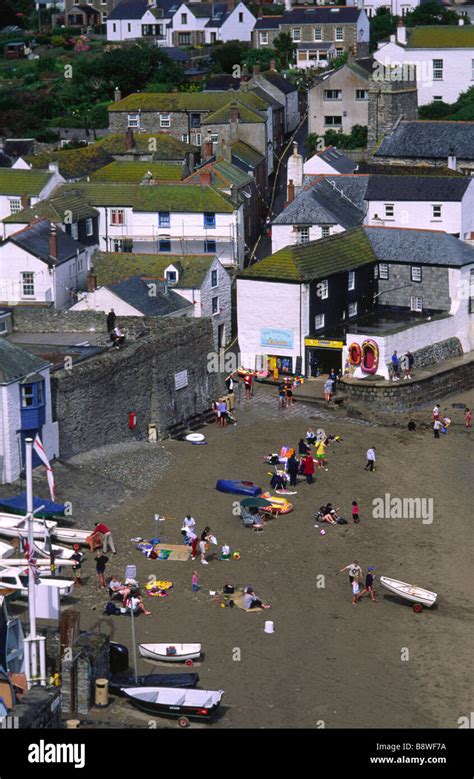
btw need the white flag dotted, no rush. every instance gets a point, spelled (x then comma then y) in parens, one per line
(39, 449)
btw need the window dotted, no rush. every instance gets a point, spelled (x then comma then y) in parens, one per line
(27, 285)
(214, 278)
(376, 271)
(333, 121)
(104, 18)
(114, 28)
(15, 205)
(339, 33)
(164, 245)
(117, 245)
(416, 274)
(318, 33)
(134, 120)
(129, 27)
(3, 327)
(89, 227)
(185, 138)
(165, 120)
(352, 309)
(209, 219)
(437, 70)
(436, 212)
(389, 210)
(332, 94)
(362, 94)
(323, 289)
(171, 276)
(263, 39)
(303, 234)
(215, 306)
(437, 98)
(195, 120)
(80, 265)
(351, 280)
(27, 395)
(184, 38)
(184, 18)
(117, 216)
(198, 139)
(416, 304)
(318, 321)
(339, 51)
(213, 37)
(296, 33)
(383, 271)
(325, 231)
(163, 218)
(74, 231)
(241, 17)
(209, 247)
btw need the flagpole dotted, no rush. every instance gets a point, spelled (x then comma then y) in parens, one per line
(32, 670)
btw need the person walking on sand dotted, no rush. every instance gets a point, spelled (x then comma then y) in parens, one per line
(321, 454)
(468, 418)
(194, 581)
(437, 425)
(369, 585)
(370, 459)
(436, 412)
(355, 512)
(353, 569)
(308, 468)
(292, 466)
(100, 562)
(77, 556)
(106, 535)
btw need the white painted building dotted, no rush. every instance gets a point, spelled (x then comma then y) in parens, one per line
(328, 161)
(395, 7)
(40, 264)
(20, 188)
(442, 55)
(25, 408)
(137, 21)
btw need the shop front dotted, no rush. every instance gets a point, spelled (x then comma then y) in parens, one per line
(323, 355)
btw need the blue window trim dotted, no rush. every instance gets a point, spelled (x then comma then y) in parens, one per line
(164, 218)
(209, 219)
(161, 246)
(210, 247)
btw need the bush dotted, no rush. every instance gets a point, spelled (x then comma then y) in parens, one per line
(47, 135)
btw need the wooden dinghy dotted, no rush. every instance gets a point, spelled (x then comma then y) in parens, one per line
(170, 653)
(175, 701)
(411, 592)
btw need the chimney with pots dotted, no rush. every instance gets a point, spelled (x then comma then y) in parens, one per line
(230, 5)
(256, 69)
(290, 191)
(129, 139)
(205, 178)
(401, 33)
(53, 167)
(91, 281)
(452, 161)
(117, 94)
(25, 201)
(234, 112)
(53, 242)
(226, 151)
(208, 146)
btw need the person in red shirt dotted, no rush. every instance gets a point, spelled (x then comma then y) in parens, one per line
(104, 532)
(248, 385)
(308, 468)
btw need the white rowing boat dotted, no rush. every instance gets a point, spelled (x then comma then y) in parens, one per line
(410, 592)
(170, 653)
(175, 701)
(12, 526)
(6, 550)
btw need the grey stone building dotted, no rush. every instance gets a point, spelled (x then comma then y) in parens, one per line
(390, 100)
(436, 144)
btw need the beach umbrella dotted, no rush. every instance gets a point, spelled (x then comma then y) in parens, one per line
(255, 503)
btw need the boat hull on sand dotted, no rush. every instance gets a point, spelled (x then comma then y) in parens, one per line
(159, 652)
(409, 592)
(175, 702)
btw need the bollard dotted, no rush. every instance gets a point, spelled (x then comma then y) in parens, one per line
(101, 693)
(72, 724)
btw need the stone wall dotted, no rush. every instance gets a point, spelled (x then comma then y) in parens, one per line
(438, 352)
(39, 709)
(388, 101)
(150, 122)
(433, 288)
(401, 397)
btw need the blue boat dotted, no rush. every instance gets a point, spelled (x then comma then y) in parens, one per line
(17, 505)
(238, 487)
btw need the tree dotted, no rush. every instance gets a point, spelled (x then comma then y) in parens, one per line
(226, 56)
(285, 48)
(263, 56)
(432, 13)
(382, 25)
(356, 139)
(341, 59)
(462, 110)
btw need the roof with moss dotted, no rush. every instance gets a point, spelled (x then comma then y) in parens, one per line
(175, 197)
(246, 115)
(111, 267)
(15, 181)
(223, 175)
(316, 259)
(136, 171)
(161, 146)
(186, 101)
(246, 154)
(442, 37)
(55, 209)
(73, 163)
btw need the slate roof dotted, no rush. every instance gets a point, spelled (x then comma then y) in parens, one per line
(269, 98)
(246, 115)
(268, 23)
(73, 163)
(167, 147)
(136, 171)
(111, 267)
(16, 364)
(15, 181)
(379, 169)
(223, 174)
(431, 188)
(185, 101)
(429, 140)
(131, 9)
(425, 247)
(246, 154)
(55, 208)
(320, 15)
(35, 240)
(136, 292)
(221, 83)
(279, 81)
(441, 37)
(337, 160)
(175, 54)
(324, 204)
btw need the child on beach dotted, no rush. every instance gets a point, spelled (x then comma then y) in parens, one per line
(355, 590)
(468, 418)
(369, 585)
(194, 581)
(355, 511)
(225, 552)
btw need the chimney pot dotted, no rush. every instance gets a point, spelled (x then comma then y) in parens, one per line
(117, 94)
(205, 178)
(208, 146)
(234, 112)
(53, 242)
(91, 281)
(230, 5)
(401, 33)
(291, 191)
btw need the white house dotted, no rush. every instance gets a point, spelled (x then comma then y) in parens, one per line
(167, 219)
(395, 7)
(25, 408)
(328, 161)
(443, 57)
(137, 20)
(424, 202)
(278, 87)
(20, 188)
(41, 264)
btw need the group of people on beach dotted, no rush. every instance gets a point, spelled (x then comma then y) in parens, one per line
(355, 578)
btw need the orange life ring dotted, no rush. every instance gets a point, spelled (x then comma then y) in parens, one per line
(355, 354)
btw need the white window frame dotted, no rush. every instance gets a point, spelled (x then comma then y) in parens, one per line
(214, 275)
(185, 138)
(15, 205)
(303, 234)
(263, 39)
(217, 311)
(329, 122)
(165, 120)
(198, 139)
(325, 231)
(339, 34)
(352, 309)
(438, 70)
(117, 245)
(319, 321)
(416, 271)
(27, 283)
(436, 212)
(416, 303)
(328, 94)
(296, 34)
(89, 227)
(114, 215)
(133, 121)
(323, 289)
(351, 282)
(389, 210)
(74, 231)
(384, 271)
(318, 34)
(365, 92)
(184, 18)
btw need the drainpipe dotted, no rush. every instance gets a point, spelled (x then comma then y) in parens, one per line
(301, 351)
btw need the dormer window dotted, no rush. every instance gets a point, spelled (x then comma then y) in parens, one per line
(171, 274)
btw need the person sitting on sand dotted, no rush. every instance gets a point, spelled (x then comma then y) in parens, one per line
(251, 601)
(115, 586)
(135, 603)
(330, 514)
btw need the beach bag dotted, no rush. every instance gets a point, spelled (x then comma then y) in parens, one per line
(112, 610)
(341, 521)
(229, 589)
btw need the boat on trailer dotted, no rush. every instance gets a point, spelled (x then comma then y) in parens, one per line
(170, 653)
(175, 701)
(411, 592)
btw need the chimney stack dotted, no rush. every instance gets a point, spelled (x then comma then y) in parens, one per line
(25, 201)
(234, 112)
(226, 151)
(230, 5)
(117, 94)
(53, 242)
(208, 146)
(129, 139)
(452, 161)
(291, 191)
(53, 167)
(256, 69)
(205, 178)
(91, 281)
(401, 33)
(272, 65)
